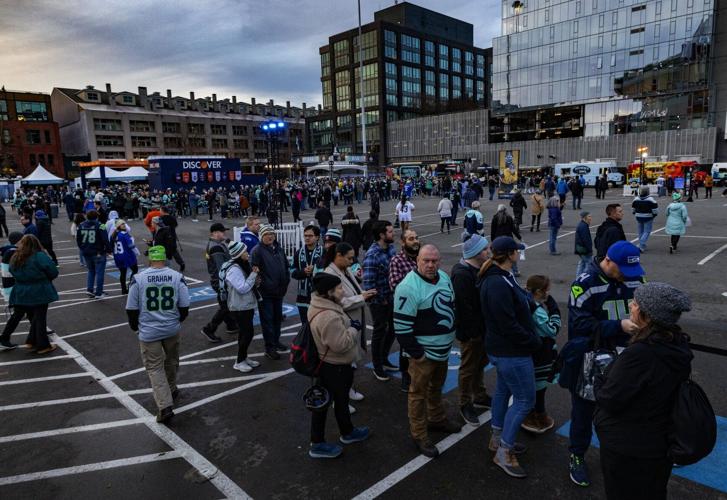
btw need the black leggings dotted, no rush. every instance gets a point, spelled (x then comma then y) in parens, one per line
(247, 331)
(674, 240)
(122, 277)
(631, 478)
(338, 379)
(4, 226)
(535, 218)
(540, 400)
(444, 219)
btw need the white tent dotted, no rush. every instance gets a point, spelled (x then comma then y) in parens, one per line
(41, 176)
(128, 175)
(340, 168)
(133, 174)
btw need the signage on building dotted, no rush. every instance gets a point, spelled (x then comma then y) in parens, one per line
(198, 173)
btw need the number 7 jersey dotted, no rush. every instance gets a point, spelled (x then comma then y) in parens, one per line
(157, 294)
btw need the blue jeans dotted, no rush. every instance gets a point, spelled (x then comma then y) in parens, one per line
(516, 378)
(324, 230)
(492, 193)
(583, 264)
(96, 269)
(644, 231)
(553, 238)
(271, 317)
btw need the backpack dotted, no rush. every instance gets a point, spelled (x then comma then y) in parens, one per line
(223, 283)
(694, 427)
(303, 352)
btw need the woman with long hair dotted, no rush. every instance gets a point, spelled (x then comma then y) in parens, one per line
(635, 398)
(34, 272)
(510, 342)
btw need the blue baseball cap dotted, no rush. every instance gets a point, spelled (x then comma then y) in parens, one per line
(627, 257)
(506, 244)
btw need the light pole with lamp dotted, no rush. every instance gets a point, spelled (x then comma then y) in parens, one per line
(272, 130)
(644, 153)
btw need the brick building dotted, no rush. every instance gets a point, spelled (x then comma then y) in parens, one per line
(28, 134)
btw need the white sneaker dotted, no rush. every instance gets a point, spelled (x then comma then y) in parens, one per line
(252, 362)
(353, 395)
(242, 366)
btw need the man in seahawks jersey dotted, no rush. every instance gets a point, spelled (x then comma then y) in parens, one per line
(158, 302)
(424, 326)
(598, 308)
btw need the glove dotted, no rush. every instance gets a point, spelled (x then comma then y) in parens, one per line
(356, 324)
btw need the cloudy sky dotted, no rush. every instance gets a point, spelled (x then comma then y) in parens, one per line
(265, 49)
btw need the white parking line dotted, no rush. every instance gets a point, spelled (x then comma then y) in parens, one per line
(204, 383)
(45, 379)
(70, 430)
(39, 360)
(79, 469)
(711, 256)
(420, 461)
(53, 402)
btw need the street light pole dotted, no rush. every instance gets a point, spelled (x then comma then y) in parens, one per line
(361, 83)
(644, 153)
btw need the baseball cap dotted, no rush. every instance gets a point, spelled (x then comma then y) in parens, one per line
(627, 257)
(506, 244)
(217, 226)
(157, 252)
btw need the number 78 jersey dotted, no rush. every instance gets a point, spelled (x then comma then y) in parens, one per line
(157, 294)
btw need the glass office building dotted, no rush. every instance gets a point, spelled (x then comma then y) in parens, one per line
(594, 68)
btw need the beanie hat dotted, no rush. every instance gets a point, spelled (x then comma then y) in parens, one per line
(661, 302)
(265, 229)
(584, 214)
(475, 205)
(324, 282)
(676, 196)
(473, 246)
(334, 235)
(236, 248)
(157, 252)
(14, 237)
(39, 214)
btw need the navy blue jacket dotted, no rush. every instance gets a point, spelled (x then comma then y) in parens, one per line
(510, 331)
(584, 244)
(92, 238)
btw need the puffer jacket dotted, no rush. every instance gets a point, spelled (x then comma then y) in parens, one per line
(337, 342)
(33, 285)
(240, 288)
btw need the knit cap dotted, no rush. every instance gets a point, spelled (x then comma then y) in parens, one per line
(661, 302)
(14, 237)
(236, 248)
(334, 235)
(676, 196)
(264, 229)
(584, 214)
(323, 282)
(473, 246)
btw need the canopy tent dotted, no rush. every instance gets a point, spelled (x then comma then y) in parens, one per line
(41, 176)
(338, 168)
(134, 174)
(128, 175)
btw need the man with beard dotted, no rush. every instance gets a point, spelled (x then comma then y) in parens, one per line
(399, 267)
(376, 277)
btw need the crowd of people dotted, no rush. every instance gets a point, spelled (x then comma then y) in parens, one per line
(406, 297)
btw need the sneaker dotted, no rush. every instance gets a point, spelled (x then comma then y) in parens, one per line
(50, 331)
(469, 414)
(242, 366)
(165, 415)
(380, 374)
(426, 448)
(91, 295)
(446, 426)
(554, 253)
(252, 362)
(283, 349)
(232, 332)
(357, 435)
(325, 450)
(47, 350)
(6, 345)
(354, 395)
(405, 382)
(272, 354)
(508, 462)
(102, 295)
(579, 470)
(175, 394)
(210, 336)
(389, 367)
(483, 402)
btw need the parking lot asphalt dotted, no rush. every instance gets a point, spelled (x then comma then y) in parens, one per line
(79, 424)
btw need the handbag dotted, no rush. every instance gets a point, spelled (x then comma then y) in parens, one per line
(594, 365)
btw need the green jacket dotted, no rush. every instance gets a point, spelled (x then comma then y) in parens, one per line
(33, 281)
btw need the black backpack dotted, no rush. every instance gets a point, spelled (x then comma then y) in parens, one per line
(694, 426)
(304, 354)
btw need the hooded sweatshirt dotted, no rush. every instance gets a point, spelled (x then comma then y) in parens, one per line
(636, 396)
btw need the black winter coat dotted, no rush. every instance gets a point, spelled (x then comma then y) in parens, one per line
(503, 226)
(468, 319)
(607, 234)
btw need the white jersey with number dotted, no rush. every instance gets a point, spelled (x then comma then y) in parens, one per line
(404, 211)
(157, 294)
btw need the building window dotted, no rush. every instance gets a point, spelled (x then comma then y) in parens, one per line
(675, 4)
(195, 128)
(575, 26)
(469, 63)
(456, 87)
(197, 142)
(106, 124)
(469, 89)
(171, 128)
(672, 27)
(443, 87)
(389, 44)
(480, 91)
(443, 57)
(240, 143)
(32, 136)
(110, 141)
(657, 8)
(219, 143)
(614, 18)
(340, 53)
(32, 160)
(172, 142)
(480, 66)
(578, 7)
(325, 64)
(369, 48)
(639, 8)
(3, 110)
(429, 53)
(46, 133)
(6, 136)
(218, 129)
(327, 94)
(239, 130)
(51, 160)
(343, 90)
(31, 111)
(370, 85)
(410, 47)
(141, 141)
(92, 96)
(614, 39)
(128, 99)
(141, 126)
(390, 69)
(547, 15)
(456, 60)
(600, 20)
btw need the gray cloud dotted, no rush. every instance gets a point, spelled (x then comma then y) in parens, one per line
(243, 47)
